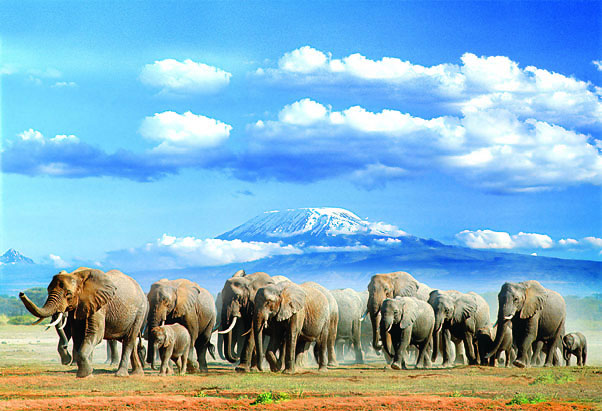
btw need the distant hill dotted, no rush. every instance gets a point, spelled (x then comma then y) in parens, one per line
(339, 249)
(12, 256)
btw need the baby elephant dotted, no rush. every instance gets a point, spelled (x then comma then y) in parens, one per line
(574, 344)
(408, 320)
(173, 342)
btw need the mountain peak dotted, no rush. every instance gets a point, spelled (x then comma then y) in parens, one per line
(12, 256)
(307, 224)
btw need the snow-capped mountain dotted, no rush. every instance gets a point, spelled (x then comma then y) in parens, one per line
(312, 226)
(12, 256)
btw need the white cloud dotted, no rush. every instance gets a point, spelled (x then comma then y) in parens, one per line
(478, 83)
(61, 84)
(58, 261)
(493, 149)
(179, 252)
(181, 132)
(598, 64)
(568, 242)
(380, 228)
(184, 76)
(488, 239)
(31, 135)
(594, 241)
(337, 249)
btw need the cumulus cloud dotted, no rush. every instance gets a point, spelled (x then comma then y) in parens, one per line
(180, 145)
(181, 132)
(184, 77)
(180, 252)
(598, 64)
(491, 148)
(488, 239)
(58, 262)
(478, 83)
(590, 242)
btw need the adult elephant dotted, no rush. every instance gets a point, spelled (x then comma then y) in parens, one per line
(408, 320)
(297, 315)
(237, 309)
(537, 315)
(183, 302)
(333, 321)
(109, 306)
(391, 285)
(349, 328)
(458, 316)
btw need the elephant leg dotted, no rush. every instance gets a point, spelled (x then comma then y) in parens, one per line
(201, 345)
(445, 342)
(166, 354)
(461, 353)
(356, 340)
(112, 347)
(339, 347)
(583, 356)
(293, 349)
(469, 349)
(525, 343)
(322, 349)
(330, 340)
(93, 333)
(183, 362)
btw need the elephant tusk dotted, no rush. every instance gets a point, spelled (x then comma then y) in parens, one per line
(364, 316)
(38, 321)
(509, 317)
(55, 322)
(250, 329)
(64, 323)
(229, 328)
(389, 329)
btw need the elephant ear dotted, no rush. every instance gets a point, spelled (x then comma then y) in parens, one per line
(409, 312)
(169, 338)
(96, 290)
(406, 287)
(186, 296)
(535, 297)
(292, 301)
(239, 273)
(466, 306)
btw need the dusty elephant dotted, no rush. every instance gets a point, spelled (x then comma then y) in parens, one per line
(389, 285)
(173, 342)
(349, 327)
(537, 314)
(298, 316)
(183, 302)
(408, 320)
(459, 316)
(237, 309)
(333, 321)
(574, 344)
(107, 305)
(485, 339)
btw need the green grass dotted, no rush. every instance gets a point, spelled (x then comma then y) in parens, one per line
(270, 397)
(522, 399)
(554, 377)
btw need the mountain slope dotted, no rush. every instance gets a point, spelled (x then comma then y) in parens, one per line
(12, 256)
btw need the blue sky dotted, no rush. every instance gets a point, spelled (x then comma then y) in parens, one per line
(476, 124)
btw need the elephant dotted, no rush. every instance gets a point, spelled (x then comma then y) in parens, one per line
(537, 314)
(296, 315)
(332, 322)
(237, 309)
(384, 286)
(183, 302)
(408, 320)
(485, 338)
(458, 316)
(349, 328)
(109, 306)
(173, 342)
(574, 344)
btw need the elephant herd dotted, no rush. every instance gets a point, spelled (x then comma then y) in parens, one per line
(261, 317)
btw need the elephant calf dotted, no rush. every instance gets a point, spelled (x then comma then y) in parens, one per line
(574, 344)
(409, 321)
(173, 342)
(485, 343)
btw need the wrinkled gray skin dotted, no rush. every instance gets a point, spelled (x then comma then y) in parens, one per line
(389, 285)
(459, 316)
(409, 321)
(574, 344)
(238, 297)
(109, 306)
(237, 340)
(351, 309)
(297, 315)
(537, 314)
(333, 322)
(182, 302)
(173, 343)
(485, 339)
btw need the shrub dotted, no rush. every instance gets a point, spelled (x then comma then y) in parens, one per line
(271, 397)
(522, 399)
(554, 378)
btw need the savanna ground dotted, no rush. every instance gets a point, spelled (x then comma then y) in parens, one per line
(31, 377)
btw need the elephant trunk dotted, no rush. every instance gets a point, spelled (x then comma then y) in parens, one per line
(375, 319)
(499, 336)
(154, 320)
(385, 326)
(228, 337)
(49, 308)
(436, 336)
(258, 323)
